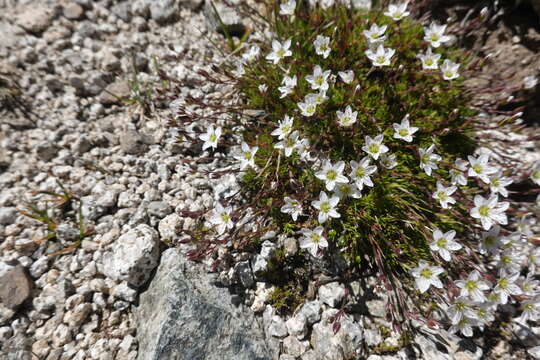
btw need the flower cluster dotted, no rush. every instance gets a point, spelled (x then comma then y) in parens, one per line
(343, 167)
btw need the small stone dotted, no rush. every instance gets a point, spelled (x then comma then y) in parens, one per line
(61, 336)
(67, 232)
(134, 255)
(262, 293)
(242, 272)
(73, 11)
(16, 286)
(277, 327)
(124, 292)
(170, 226)
(159, 209)
(7, 215)
(164, 11)
(114, 92)
(35, 18)
(311, 311)
(261, 261)
(77, 316)
(44, 304)
(131, 142)
(290, 246)
(297, 325)
(46, 151)
(295, 347)
(5, 333)
(332, 294)
(41, 348)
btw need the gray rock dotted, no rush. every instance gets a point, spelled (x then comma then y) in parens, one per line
(39, 267)
(164, 11)
(123, 11)
(297, 325)
(36, 19)
(181, 316)
(131, 142)
(332, 294)
(277, 327)
(311, 311)
(16, 285)
(159, 209)
(170, 227)
(46, 150)
(243, 274)
(124, 292)
(7, 215)
(261, 261)
(67, 232)
(295, 347)
(73, 11)
(115, 92)
(134, 255)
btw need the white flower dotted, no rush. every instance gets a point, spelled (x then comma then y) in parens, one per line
(426, 275)
(313, 240)
(473, 287)
(287, 8)
(326, 207)
(404, 130)
(509, 261)
(444, 243)
(319, 78)
(397, 12)
(289, 143)
(506, 286)
(375, 147)
(498, 184)
(346, 118)
(252, 53)
(361, 171)
(346, 76)
(381, 57)
(530, 310)
(429, 60)
(222, 218)
(343, 191)
(308, 106)
(449, 70)
(304, 149)
(246, 156)
(288, 87)
(464, 326)
(375, 33)
(434, 34)
(443, 195)
(388, 161)
(535, 173)
(325, 4)
(480, 168)
(457, 175)
(490, 242)
(292, 207)
(322, 46)
(461, 308)
(263, 88)
(489, 211)
(524, 224)
(319, 97)
(428, 160)
(332, 174)
(530, 82)
(279, 51)
(239, 71)
(284, 128)
(483, 313)
(529, 285)
(211, 137)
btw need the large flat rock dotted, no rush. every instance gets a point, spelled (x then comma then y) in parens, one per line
(182, 316)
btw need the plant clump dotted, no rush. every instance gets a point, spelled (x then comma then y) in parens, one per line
(369, 148)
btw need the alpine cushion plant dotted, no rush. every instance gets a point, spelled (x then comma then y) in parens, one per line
(359, 154)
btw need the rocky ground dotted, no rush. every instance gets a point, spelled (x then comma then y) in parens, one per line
(121, 294)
